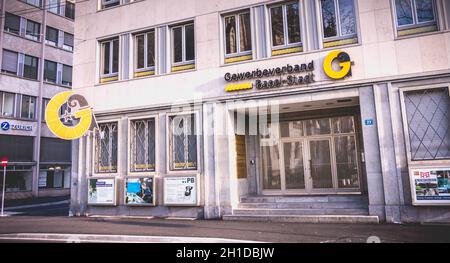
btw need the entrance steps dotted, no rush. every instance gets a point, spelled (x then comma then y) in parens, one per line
(305, 209)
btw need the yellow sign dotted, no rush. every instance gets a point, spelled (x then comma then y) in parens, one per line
(79, 110)
(344, 63)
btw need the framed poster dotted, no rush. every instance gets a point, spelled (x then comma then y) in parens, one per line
(140, 191)
(430, 186)
(181, 190)
(102, 191)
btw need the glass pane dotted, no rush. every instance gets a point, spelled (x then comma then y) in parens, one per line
(12, 23)
(343, 125)
(230, 35)
(67, 75)
(52, 35)
(245, 34)
(318, 127)
(106, 51)
(151, 49)
(321, 164)
(32, 107)
(177, 45)
(106, 148)
(276, 17)
(50, 71)
(140, 51)
(192, 143)
(293, 165)
(346, 162)
(32, 30)
(25, 108)
(183, 142)
(424, 10)
(115, 62)
(347, 17)
(291, 129)
(143, 145)
(178, 143)
(329, 18)
(53, 6)
(8, 105)
(271, 167)
(190, 43)
(9, 62)
(403, 8)
(293, 22)
(30, 67)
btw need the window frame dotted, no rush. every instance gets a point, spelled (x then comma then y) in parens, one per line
(67, 47)
(410, 161)
(111, 58)
(33, 37)
(237, 19)
(169, 170)
(37, 67)
(104, 3)
(29, 108)
(94, 152)
(146, 67)
(62, 75)
(339, 35)
(17, 63)
(56, 72)
(7, 29)
(155, 117)
(416, 23)
(50, 42)
(286, 45)
(2, 106)
(183, 45)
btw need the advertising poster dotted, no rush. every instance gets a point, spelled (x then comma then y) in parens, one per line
(180, 190)
(102, 191)
(431, 186)
(139, 191)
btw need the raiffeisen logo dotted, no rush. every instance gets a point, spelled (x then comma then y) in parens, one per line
(78, 111)
(345, 65)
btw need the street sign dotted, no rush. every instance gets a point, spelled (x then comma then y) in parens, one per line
(4, 162)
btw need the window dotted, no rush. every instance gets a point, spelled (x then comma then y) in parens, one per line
(285, 28)
(110, 3)
(183, 46)
(62, 111)
(145, 53)
(33, 30)
(9, 62)
(34, 2)
(51, 36)
(12, 23)
(110, 60)
(106, 148)
(415, 16)
(66, 75)
(428, 122)
(68, 41)
(53, 6)
(28, 107)
(182, 142)
(339, 22)
(238, 36)
(7, 102)
(142, 145)
(50, 71)
(70, 10)
(30, 67)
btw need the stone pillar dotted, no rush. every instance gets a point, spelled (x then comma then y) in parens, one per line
(211, 205)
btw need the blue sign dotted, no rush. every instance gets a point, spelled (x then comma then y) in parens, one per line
(368, 122)
(5, 125)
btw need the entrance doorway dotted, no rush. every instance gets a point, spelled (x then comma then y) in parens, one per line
(316, 156)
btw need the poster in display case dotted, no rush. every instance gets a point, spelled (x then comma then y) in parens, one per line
(102, 191)
(140, 191)
(181, 190)
(430, 186)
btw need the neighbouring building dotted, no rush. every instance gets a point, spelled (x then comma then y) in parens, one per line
(307, 110)
(36, 49)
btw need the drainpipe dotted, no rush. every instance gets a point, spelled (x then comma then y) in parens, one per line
(37, 144)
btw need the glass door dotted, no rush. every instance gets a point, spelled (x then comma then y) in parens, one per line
(294, 167)
(321, 173)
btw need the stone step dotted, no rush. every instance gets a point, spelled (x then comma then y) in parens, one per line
(305, 205)
(332, 219)
(325, 211)
(306, 199)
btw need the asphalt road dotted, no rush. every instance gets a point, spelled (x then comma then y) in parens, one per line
(251, 231)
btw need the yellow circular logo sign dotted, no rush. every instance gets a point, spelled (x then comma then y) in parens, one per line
(79, 110)
(344, 63)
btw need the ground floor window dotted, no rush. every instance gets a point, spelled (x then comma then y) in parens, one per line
(18, 179)
(106, 148)
(182, 142)
(54, 176)
(142, 145)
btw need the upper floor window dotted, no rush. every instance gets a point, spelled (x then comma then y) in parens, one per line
(10, 62)
(183, 47)
(12, 23)
(62, 7)
(70, 10)
(182, 142)
(338, 22)
(30, 67)
(110, 3)
(34, 2)
(106, 143)
(33, 30)
(50, 71)
(51, 36)
(142, 145)
(285, 28)
(28, 107)
(415, 16)
(68, 41)
(19, 64)
(238, 37)
(7, 103)
(145, 54)
(109, 60)
(66, 79)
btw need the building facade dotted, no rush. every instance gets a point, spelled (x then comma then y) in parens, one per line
(36, 63)
(308, 110)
